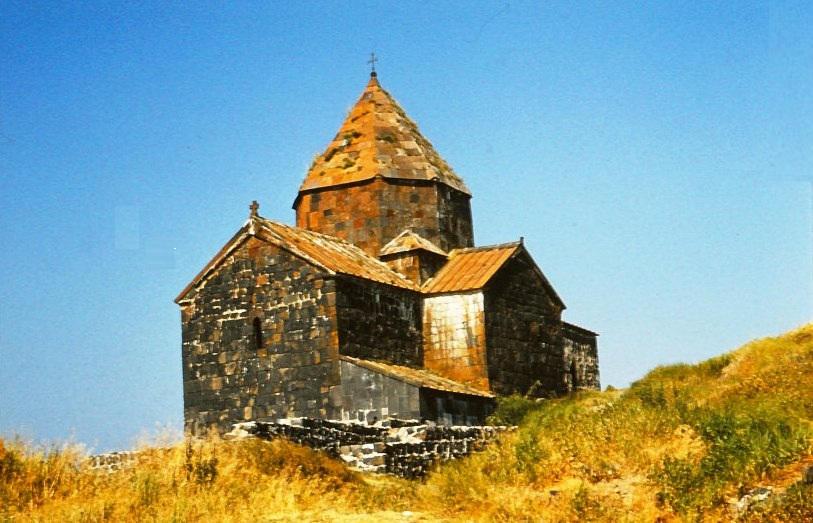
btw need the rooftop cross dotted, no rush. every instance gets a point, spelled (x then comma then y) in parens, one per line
(253, 208)
(372, 62)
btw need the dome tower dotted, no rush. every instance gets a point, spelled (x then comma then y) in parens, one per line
(379, 177)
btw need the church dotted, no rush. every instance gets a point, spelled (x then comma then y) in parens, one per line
(377, 304)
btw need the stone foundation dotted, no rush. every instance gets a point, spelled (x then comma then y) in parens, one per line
(112, 461)
(405, 448)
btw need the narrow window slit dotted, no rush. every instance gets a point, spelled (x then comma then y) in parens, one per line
(258, 334)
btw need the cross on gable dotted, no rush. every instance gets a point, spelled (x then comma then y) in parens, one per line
(253, 208)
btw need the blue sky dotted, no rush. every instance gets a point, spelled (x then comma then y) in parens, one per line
(655, 156)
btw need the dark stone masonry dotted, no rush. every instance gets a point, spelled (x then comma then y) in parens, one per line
(379, 322)
(259, 340)
(376, 307)
(405, 448)
(523, 331)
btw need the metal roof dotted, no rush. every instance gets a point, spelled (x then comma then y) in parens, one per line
(470, 269)
(417, 377)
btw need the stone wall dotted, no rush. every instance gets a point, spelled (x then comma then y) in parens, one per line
(379, 322)
(371, 213)
(405, 263)
(454, 337)
(400, 447)
(581, 357)
(523, 333)
(454, 219)
(417, 265)
(369, 396)
(455, 409)
(259, 340)
(113, 461)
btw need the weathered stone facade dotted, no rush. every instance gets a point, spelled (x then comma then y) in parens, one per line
(418, 266)
(454, 337)
(232, 374)
(581, 358)
(413, 256)
(376, 305)
(523, 332)
(369, 395)
(379, 322)
(371, 213)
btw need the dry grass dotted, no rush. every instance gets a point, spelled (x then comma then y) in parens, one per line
(192, 481)
(674, 447)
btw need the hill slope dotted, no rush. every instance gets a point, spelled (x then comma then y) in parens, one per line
(680, 444)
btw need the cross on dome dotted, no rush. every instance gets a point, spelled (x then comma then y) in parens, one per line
(372, 62)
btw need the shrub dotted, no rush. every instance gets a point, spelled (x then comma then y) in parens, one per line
(511, 410)
(742, 445)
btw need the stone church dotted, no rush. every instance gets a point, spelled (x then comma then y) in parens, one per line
(377, 304)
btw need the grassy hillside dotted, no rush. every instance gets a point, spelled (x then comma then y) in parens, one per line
(677, 445)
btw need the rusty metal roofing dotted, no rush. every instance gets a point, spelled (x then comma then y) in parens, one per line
(378, 139)
(410, 241)
(470, 269)
(332, 254)
(417, 377)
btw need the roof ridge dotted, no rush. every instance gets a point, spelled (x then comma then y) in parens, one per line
(506, 245)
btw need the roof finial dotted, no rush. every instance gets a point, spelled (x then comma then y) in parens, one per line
(372, 62)
(253, 208)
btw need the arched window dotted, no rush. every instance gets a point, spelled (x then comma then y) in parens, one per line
(258, 334)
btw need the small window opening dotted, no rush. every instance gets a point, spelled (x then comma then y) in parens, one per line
(258, 334)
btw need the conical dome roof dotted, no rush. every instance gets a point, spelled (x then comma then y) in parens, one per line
(379, 139)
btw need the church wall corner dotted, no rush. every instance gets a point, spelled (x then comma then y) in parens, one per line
(259, 341)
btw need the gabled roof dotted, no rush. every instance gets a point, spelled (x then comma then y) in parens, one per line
(417, 377)
(410, 241)
(378, 139)
(472, 268)
(331, 254)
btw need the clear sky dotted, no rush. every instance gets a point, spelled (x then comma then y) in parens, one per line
(656, 157)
